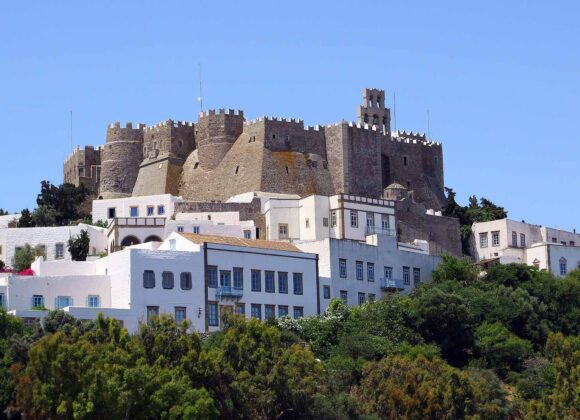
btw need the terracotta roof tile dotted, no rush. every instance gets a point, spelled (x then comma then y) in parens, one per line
(251, 243)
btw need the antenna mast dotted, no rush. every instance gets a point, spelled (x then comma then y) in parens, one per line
(71, 130)
(428, 124)
(200, 97)
(395, 109)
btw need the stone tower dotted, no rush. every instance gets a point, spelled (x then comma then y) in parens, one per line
(120, 160)
(216, 133)
(373, 111)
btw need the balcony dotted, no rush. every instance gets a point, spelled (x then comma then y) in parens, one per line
(379, 230)
(391, 285)
(229, 292)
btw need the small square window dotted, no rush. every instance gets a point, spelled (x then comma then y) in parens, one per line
(282, 310)
(325, 221)
(247, 234)
(111, 212)
(63, 302)
(94, 301)
(298, 312)
(180, 229)
(38, 301)
(134, 211)
(160, 210)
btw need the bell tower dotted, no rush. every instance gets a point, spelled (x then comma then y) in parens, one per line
(373, 110)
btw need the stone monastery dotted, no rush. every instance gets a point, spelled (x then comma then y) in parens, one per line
(224, 155)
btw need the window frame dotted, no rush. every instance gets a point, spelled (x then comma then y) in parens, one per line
(416, 276)
(59, 305)
(136, 208)
(298, 312)
(90, 297)
(180, 309)
(326, 291)
(212, 281)
(225, 278)
(370, 271)
(359, 270)
(269, 281)
(40, 298)
(256, 275)
(213, 314)
(272, 309)
(150, 211)
(160, 210)
(298, 279)
(253, 308)
(406, 276)
(283, 310)
(495, 240)
(283, 227)
(283, 282)
(167, 280)
(57, 246)
(354, 219)
(342, 268)
(483, 240)
(187, 278)
(344, 296)
(362, 297)
(152, 279)
(238, 278)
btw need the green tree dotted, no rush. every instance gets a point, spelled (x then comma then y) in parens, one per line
(44, 216)
(446, 319)
(23, 258)
(25, 219)
(3, 212)
(456, 269)
(79, 246)
(501, 349)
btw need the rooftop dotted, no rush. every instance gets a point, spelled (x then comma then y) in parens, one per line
(250, 243)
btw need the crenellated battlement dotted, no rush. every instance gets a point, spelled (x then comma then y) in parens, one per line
(275, 120)
(221, 111)
(128, 126)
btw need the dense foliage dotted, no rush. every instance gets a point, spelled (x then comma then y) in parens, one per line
(56, 206)
(482, 210)
(25, 256)
(503, 345)
(79, 246)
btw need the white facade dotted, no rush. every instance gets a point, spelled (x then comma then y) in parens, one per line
(6, 219)
(361, 271)
(53, 239)
(510, 241)
(162, 205)
(319, 217)
(135, 283)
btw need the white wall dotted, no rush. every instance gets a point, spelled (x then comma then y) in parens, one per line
(385, 252)
(123, 205)
(48, 236)
(6, 219)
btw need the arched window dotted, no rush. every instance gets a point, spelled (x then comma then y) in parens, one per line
(378, 101)
(563, 266)
(366, 118)
(375, 119)
(153, 238)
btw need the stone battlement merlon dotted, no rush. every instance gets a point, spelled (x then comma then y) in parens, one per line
(128, 126)
(221, 111)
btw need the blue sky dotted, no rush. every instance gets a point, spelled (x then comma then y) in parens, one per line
(501, 80)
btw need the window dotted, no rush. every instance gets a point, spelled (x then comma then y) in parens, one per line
(185, 280)
(344, 296)
(150, 211)
(167, 280)
(241, 309)
(1, 300)
(370, 271)
(195, 229)
(522, 240)
(514, 239)
(325, 221)
(282, 231)
(361, 298)
(225, 278)
(282, 282)
(213, 314)
(180, 229)
(354, 218)
(404, 160)
(385, 222)
(495, 238)
(212, 276)
(256, 280)
(160, 210)
(247, 234)
(372, 297)
(269, 312)
(307, 223)
(359, 270)
(238, 278)
(298, 312)
(180, 314)
(371, 221)
(388, 272)
(342, 267)
(333, 218)
(282, 310)
(152, 312)
(256, 311)
(59, 251)
(111, 212)
(572, 243)
(326, 291)
(269, 282)
(63, 302)
(563, 266)
(554, 240)
(406, 276)
(297, 277)
(93, 301)
(416, 276)
(148, 279)
(134, 211)
(38, 301)
(483, 240)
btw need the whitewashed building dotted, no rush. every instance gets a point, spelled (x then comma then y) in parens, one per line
(51, 240)
(196, 277)
(507, 241)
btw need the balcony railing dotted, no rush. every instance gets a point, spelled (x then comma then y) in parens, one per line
(139, 221)
(392, 284)
(379, 230)
(229, 291)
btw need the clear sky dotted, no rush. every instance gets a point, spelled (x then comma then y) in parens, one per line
(501, 80)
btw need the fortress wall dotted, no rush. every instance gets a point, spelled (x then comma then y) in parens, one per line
(285, 134)
(216, 133)
(175, 138)
(364, 160)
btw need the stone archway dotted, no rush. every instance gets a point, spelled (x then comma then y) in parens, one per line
(153, 238)
(130, 240)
